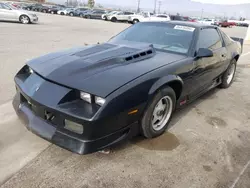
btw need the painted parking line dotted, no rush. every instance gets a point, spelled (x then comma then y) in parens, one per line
(245, 54)
(241, 173)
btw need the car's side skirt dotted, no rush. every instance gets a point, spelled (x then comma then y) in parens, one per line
(188, 99)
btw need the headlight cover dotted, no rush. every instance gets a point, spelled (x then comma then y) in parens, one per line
(85, 96)
(100, 101)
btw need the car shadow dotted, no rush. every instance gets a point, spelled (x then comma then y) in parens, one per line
(167, 141)
(16, 22)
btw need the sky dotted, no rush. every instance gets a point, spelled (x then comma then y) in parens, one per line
(231, 2)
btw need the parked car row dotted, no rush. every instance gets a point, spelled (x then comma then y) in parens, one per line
(107, 15)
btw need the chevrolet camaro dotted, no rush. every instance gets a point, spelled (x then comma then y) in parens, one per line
(87, 99)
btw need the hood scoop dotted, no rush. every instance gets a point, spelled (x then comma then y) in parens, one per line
(141, 55)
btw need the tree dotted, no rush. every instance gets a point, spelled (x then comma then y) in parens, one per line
(91, 3)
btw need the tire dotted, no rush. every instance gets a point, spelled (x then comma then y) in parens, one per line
(228, 75)
(88, 17)
(81, 15)
(62, 13)
(28, 9)
(148, 127)
(24, 19)
(44, 11)
(114, 19)
(135, 21)
(52, 12)
(71, 14)
(105, 18)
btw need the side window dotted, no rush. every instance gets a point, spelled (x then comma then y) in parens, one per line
(226, 38)
(3, 6)
(209, 38)
(162, 16)
(128, 13)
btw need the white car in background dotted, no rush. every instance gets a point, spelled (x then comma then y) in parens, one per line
(11, 13)
(65, 11)
(208, 21)
(105, 16)
(144, 17)
(120, 16)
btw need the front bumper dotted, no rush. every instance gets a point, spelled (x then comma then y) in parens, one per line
(34, 19)
(67, 141)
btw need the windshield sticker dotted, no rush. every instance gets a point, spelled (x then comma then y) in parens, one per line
(184, 28)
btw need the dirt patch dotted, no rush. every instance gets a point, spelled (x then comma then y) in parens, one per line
(167, 142)
(207, 168)
(216, 121)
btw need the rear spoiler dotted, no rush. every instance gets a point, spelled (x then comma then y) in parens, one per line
(240, 40)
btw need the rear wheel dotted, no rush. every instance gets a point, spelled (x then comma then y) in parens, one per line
(88, 17)
(71, 14)
(228, 76)
(62, 13)
(81, 15)
(24, 19)
(105, 18)
(114, 19)
(52, 12)
(158, 113)
(44, 11)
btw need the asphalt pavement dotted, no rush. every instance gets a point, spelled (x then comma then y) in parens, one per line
(207, 144)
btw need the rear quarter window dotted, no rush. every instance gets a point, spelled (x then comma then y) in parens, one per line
(226, 38)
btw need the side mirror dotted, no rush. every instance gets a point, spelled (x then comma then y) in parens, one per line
(204, 52)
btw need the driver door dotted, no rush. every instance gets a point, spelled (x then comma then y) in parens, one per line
(207, 69)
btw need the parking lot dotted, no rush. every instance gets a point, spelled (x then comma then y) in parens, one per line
(206, 146)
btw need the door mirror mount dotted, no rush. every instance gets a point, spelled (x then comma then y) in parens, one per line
(204, 52)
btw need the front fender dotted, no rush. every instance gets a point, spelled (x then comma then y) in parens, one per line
(162, 81)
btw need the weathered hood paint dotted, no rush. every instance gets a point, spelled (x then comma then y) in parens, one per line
(97, 69)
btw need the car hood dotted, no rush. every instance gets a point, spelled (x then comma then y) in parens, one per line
(100, 69)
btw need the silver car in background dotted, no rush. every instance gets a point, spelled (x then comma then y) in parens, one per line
(11, 13)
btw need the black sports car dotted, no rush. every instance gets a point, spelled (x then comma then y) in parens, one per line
(90, 98)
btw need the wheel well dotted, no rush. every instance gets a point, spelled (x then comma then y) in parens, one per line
(236, 57)
(23, 15)
(177, 87)
(135, 19)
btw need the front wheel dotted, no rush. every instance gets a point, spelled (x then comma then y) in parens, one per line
(71, 14)
(24, 19)
(228, 76)
(158, 113)
(135, 21)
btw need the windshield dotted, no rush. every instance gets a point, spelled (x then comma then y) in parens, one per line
(164, 36)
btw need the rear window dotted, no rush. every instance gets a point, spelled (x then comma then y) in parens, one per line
(164, 36)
